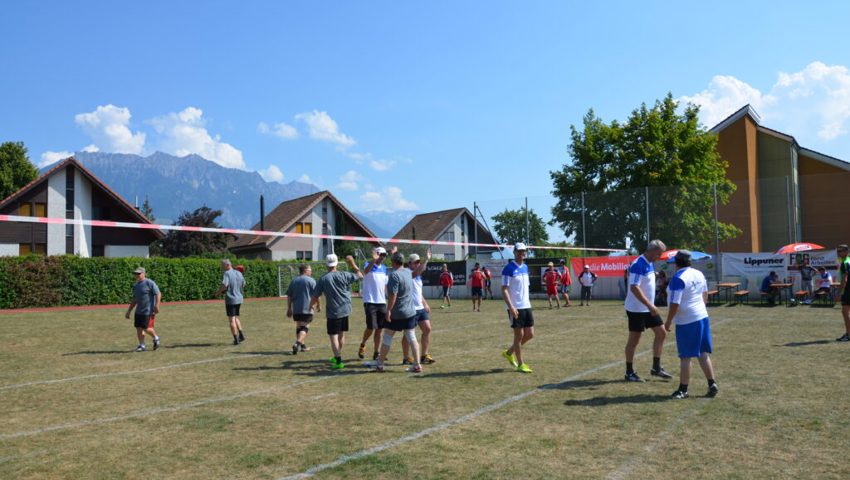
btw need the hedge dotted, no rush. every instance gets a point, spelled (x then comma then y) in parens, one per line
(38, 281)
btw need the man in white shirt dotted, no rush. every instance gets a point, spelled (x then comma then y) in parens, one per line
(642, 313)
(515, 291)
(374, 294)
(687, 296)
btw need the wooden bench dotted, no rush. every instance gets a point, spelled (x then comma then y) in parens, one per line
(713, 295)
(742, 296)
(824, 298)
(763, 298)
(800, 296)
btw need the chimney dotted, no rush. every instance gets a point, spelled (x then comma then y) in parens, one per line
(262, 213)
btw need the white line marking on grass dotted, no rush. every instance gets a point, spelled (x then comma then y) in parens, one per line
(325, 395)
(455, 421)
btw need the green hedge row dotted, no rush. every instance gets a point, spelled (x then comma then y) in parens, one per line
(38, 281)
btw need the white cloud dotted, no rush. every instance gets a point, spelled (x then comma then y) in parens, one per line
(812, 104)
(305, 179)
(381, 165)
(281, 130)
(389, 199)
(350, 181)
(271, 174)
(108, 126)
(320, 126)
(48, 158)
(91, 148)
(184, 133)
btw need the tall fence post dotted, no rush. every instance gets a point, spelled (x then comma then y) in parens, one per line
(583, 229)
(646, 194)
(791, 228)
(527, 230)
(716, 237)
(475, 227)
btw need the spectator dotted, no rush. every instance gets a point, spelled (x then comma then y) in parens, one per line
(768, 288)
(661, 289)
(587, 279)
(566, 281)
(807, 272)
(551, 278)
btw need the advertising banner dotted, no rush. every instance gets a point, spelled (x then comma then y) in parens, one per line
(431, 275)
(602, 266)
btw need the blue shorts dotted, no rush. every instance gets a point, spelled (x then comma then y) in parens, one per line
(422, 316)
(399, 324)
(693, 339)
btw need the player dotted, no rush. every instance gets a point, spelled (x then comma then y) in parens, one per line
(336, 287)
(423, 310)
(515, 291)
(233, 284)
(566, 281)
(844, 290)
(446, 281)
(488, 282)
(401, 306)
(476, 282)
(146, 300)
(299, 297)
(374, 295)
(551, 278)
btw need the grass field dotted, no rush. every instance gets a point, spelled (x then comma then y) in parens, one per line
(81, 405)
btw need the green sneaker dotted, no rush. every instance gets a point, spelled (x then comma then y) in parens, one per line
(524, 368)
(510, 358)
(337, 366)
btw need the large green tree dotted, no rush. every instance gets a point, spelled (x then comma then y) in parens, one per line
(186, 244)
(510, 226)
(16, 170)
(662, 148)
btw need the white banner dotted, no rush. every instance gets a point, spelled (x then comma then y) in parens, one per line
(751, 268)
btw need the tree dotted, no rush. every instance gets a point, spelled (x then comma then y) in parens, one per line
(510, 226)
(16, 170)
(147, 210)
(611, 164)
(185, 244)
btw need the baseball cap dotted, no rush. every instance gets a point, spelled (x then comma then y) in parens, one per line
(587, 267)
(139, 270)
(332, 260)
(380, 250)
(413, 258)
(563, 261)
(551, 264)
(683, 255)
(520, 246)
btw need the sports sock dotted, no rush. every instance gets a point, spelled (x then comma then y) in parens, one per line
(236, 338)
(711, 382)
(156, 338)
(683, 387)
(656, 363)
(630, 367)
(338, 359)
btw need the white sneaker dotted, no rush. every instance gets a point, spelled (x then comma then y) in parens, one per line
(141, 348)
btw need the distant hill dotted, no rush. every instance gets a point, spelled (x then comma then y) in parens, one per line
(176, 184)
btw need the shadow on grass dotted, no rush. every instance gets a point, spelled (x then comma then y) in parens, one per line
(98, 352)
(263, 353)
(193, 345)
(288, 365)
(603, 401)
(805, 344)
(578, 384)
(468, 373)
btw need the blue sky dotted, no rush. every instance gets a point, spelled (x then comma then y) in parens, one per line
(407, 105)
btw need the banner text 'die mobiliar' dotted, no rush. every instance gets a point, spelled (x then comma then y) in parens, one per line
(602, 266)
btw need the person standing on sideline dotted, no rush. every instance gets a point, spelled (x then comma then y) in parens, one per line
(374, 294)
(336, 287)
(232, 285)
(299, 297)
(423, 310)
(551, 278)
(642, 312)
(807, 274)
(687, 294)
(515, 291)
(587, 279)
(566, 281)
(844, 272)
(146, 300)
(402, 311)
(476, 282)
(488, 282)
(446, 281)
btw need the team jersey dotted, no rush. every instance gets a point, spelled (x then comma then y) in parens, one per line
(843, 269)
(564, 272)
(686, 290)
(825, 280)
(417, 293)
(642, 274)
(375, 284)
(476, 279)
(515, 277)
(551, 278)
(446, 279)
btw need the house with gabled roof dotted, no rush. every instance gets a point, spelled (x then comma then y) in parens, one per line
(70, 191)
(453, 225)
(317, 213)
(786, 193)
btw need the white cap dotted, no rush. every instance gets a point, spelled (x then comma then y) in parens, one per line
(520, 246)
(380, 250)
(332, 260)
(412, 258)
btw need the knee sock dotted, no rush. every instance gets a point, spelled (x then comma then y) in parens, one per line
(630, 367)
(683, 387)
(656, 362)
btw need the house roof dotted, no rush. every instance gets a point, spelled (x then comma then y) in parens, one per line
(430, 226)
(71, 161)
(286, 214)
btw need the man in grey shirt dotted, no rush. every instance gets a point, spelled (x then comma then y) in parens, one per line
(336, 286)
(146, 298)
(402, 311)
(232, 285)
(299, 295)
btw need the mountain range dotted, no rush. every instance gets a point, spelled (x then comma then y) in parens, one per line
(173, 185)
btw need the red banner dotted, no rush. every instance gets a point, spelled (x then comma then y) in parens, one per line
(602, 266)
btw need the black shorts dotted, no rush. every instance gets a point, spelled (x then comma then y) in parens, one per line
(142, 321)
(399, 324)
(376, 315)
(337, 325)
(477, 292)
(524, 319)
(422, 316)
(445, 291)
(232, 310)
(302, 317)
(487, 283)
(640, 321)
(845, 297)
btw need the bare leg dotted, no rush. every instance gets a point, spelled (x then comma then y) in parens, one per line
(140, 334)
(302, 335)
(631, 346)
(685, 370)
(516, 348)
(233, 330)
(385, 349)
(707, 367)
(377, 339)
(414, 346)
(425, 326)
(845, 312)
(151, 332)
(405, 347)
(658, 343)
(335, 344)
(341, 342)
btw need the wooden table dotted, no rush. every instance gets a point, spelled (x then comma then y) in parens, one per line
(781, 287)
(727, 288)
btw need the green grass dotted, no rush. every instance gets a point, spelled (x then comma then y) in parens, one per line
(202, 408)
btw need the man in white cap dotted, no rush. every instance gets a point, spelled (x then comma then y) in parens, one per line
(374, 294)
(515, 291)
(146, 300)
(423, 310)
(336, 286)
(402, 310)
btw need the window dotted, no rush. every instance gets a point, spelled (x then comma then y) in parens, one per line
(302, 227)
(25, 210)
(304, 255)
(40, 249)
(69, 230)
(449, 237)
(26, 249)
(41, 210)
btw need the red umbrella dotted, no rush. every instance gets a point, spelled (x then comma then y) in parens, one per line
(799, 247)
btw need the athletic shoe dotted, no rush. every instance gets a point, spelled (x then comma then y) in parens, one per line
(305, 348)
(241, 336)
(660, 372)
(295, 348)
(337, 366)
(524, 368)
(427, 359)
(633, 377)
(678, 394)
(407, 361)
(442, 307)
(377, 368)
(235, 341)
(155, 343)
(510, 358)
(414, 369)
(332, 360)
(712, 390)
(374, 355)
(843, 338)
(141, 348)
(361, 352)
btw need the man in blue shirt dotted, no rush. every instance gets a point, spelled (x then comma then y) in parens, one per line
(772, 292)
(515, 292)
(232, 285)
(146, 299)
